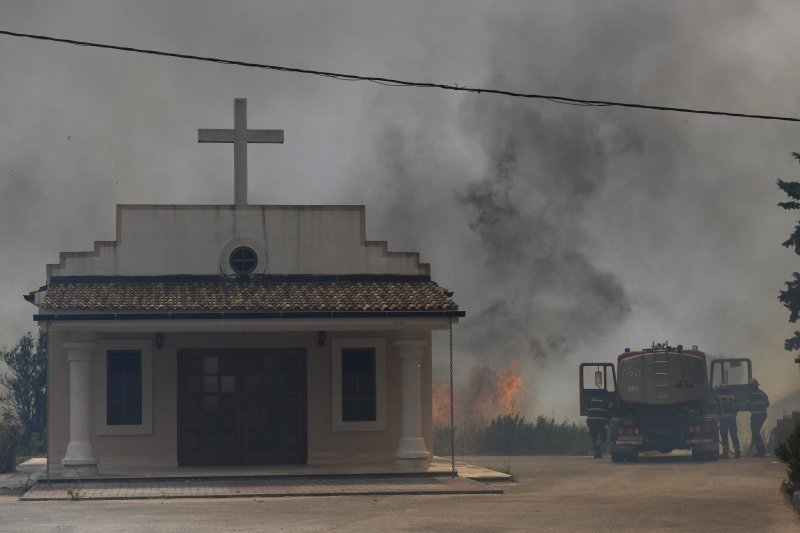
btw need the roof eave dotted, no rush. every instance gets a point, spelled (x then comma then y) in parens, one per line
(55, 316)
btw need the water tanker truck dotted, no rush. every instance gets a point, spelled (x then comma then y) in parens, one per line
(661, 399)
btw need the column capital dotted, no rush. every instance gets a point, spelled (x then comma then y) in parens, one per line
(79, 351)
(79, 345)
(411, 342)
(410, 348)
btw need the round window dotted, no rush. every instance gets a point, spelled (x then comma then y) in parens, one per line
(243, 260)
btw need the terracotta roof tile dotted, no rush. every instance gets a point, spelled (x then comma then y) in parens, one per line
(260, 295)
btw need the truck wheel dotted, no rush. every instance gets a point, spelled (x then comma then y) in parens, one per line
(621, 457)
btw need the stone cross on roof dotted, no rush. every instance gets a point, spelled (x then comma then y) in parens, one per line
(239, 136)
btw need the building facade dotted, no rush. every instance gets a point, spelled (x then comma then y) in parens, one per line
(239, 335)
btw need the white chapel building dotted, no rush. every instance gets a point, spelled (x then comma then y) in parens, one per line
(239, 335)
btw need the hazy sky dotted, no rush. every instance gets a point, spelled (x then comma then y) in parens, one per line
(567, 233)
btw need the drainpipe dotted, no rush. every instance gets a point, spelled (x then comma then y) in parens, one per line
(46, 329)
(454, 472)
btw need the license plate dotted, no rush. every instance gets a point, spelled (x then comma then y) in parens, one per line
(637, 438)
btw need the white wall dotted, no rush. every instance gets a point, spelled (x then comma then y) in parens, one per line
(159, 448)
(196, 240)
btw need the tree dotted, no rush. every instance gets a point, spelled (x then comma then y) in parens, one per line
(790, 297)
(26, 383)
(789, 453)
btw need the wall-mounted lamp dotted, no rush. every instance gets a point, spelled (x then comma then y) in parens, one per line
(321, 337)
(159, 340)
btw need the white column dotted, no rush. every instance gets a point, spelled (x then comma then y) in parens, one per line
(411, 451)
(79, 460)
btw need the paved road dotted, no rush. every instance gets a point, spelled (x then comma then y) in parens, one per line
(550, 494)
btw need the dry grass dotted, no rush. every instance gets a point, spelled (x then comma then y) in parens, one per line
(514, 435)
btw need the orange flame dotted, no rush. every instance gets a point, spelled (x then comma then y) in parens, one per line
(509, 385)
(487, 395)
(441, 404)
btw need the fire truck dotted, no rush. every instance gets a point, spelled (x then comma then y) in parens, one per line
(664, 399)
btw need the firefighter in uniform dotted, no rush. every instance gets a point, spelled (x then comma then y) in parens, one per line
(726, 403)
(757, 402)
(598, 416)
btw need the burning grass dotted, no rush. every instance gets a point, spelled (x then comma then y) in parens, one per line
(487, 419)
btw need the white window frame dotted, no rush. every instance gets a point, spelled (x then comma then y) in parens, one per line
(145, 347)
(379, 424)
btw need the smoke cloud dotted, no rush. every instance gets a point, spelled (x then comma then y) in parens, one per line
(527, 212)
(567, 233)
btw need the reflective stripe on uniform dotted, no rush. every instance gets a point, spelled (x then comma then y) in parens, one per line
(759, 401)
(597, 410)
(727, 405)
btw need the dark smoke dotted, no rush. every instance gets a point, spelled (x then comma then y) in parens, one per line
(579, 231)
(527, 212)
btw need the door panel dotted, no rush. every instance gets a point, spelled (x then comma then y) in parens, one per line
(275, 407)
(597, 380)
(736, 374)
(242, 407)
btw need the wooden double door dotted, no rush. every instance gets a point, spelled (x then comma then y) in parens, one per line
(242, 407)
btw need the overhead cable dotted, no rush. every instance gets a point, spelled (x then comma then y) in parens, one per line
(404, 83)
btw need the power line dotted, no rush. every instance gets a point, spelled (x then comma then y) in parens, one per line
(403, 83)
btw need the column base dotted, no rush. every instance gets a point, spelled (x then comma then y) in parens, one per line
(79, 461)
(79, 471)
(413, 464)
(412, 448)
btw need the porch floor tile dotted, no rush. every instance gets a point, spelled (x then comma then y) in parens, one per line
(263, 481)
(245, 486)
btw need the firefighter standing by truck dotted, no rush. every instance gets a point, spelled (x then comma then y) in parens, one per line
(598, 417)
(726, 402)
(757, 402)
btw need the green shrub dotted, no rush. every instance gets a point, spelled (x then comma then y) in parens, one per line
(441, 441)
(514, 435)
(9, 438)
(789, 452)
(505, 435)
(37, 445)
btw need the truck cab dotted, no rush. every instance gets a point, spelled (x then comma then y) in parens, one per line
(736, 373)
